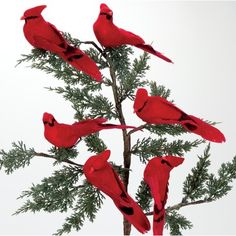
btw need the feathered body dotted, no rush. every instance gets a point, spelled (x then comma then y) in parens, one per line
(157, 110)
(43, 35)
(101, 174)
(66, 135)
(109, 35)
(156, 175)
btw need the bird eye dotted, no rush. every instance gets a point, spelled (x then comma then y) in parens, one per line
(165, 162)
(45, 122)
(109, 17)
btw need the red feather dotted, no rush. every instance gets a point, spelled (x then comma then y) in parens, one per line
(44, 35)
(109, 35)
(65, 135)
(156, 175)
(100, 174)
(157, 110)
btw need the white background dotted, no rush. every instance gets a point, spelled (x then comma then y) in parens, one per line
(200, 37)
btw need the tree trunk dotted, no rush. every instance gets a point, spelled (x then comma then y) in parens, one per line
(127, 163)
(126, 227)
(126, 142)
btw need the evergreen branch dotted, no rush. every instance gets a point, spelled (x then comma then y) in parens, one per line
(143, 196)
(182, 204)
(179, 147)
(217, 187)
(94, 143)
(19, 156)
(133, 78)
(55, 193)
(41, 154)
(148, 147)
(84, 101)
(119, 62)
(194, 185)
(176, 222)
(89, 202)
(163, 129)
(159, 90)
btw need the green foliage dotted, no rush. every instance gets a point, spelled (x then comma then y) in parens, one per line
(94, 143)
(164, 129)
(200, 184)
(143, 196)
(133, 78)
(85, 102)
(159, 90)
(194, 185)
(176, 223)
(62, 154)
(199, 187)
(89, 202)
(149, 147)
(18, 157)
(219, 186)
(55, 193)
(123, 74)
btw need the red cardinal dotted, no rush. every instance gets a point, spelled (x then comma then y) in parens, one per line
(64, 135)
(156, 175)
(44, 35)
(100, 174)
(109, 35)
(157, 110)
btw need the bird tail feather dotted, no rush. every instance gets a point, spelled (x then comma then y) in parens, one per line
(82, 62)
(204, 129)
(158, 221)
(134, 214)
(150, 49)
(112, 126)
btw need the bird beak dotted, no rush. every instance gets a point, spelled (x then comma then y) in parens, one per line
(110, 13)
(22, 18)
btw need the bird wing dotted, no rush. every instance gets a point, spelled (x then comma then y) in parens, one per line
(158, 110)
(48, 37)
(58, 33)
(130, 38)
(46, 44)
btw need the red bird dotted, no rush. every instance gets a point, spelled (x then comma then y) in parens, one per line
(156, 175)
(100, 174)
(64, 135)
(109, 35)
(44, 35)
(157, 110)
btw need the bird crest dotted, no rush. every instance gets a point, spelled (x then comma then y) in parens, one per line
(33, 12)
(105, 10)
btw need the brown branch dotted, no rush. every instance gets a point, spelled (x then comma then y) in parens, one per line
(41, 154)
(95, 45)
(126, 140)
(137, 129)
(183, 204)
